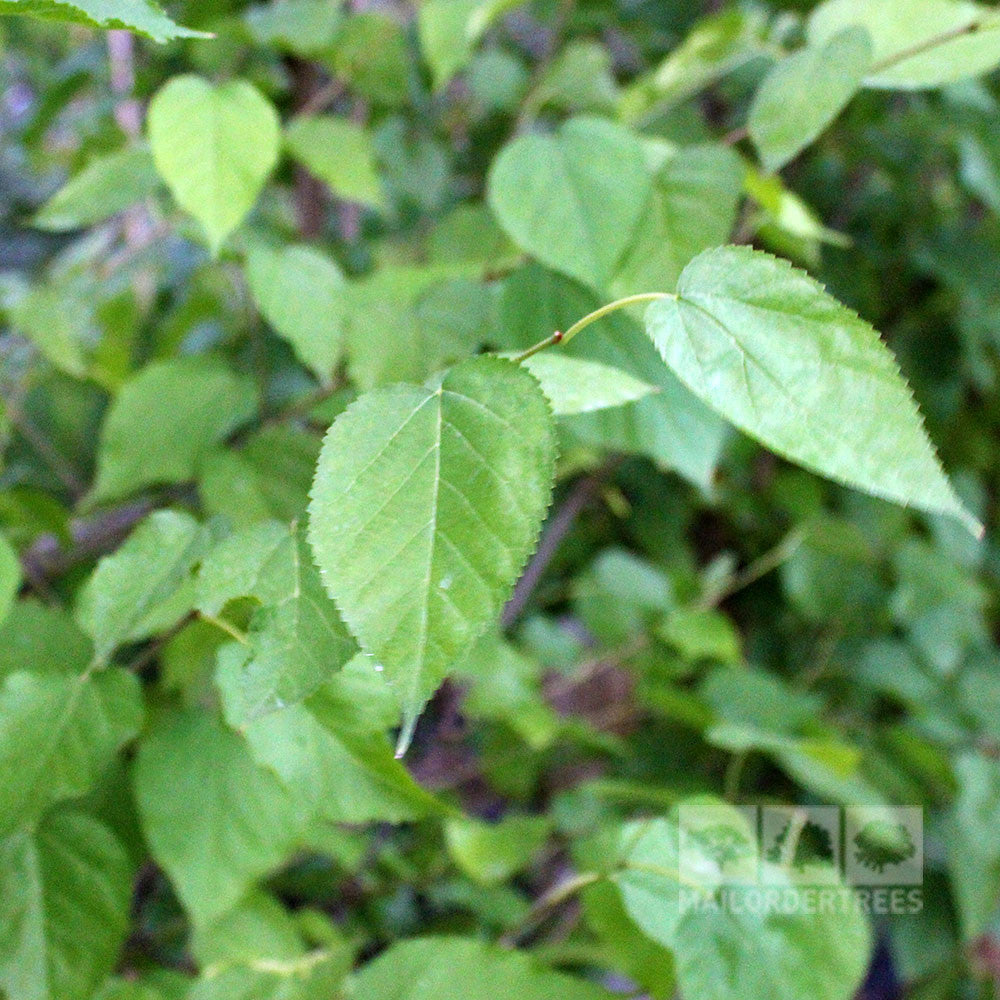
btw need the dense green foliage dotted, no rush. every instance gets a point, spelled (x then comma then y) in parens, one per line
(448, 447)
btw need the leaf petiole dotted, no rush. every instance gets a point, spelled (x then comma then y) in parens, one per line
(563, 338)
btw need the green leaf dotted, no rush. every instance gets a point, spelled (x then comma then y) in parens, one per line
(506, 686)
(643, 960)
(164, 420)
(215, 147)
(649, 876)
(269, 476)
(141, 16)
(258, 951)
(42, 638)
(903, 33)
(701, 634)
(696, 192)
(447, 486)
(974, 843)
(770, 350)
(340, 154)
(573, 385)
(65, 891)
(771, 953)
(939, 605)
(259, 926)
(295, 642)
(304, 27)
(107, 185)
(826, 766)
(371, 54)
(785, 222)
(579, 79)
(117, 988)
(51, 315)
(300, 292)
(58, 732)
(454, 968)
(215, 820)
(450, 29)
(145, 586)
(10, 577)
(774, 956)
(436, 314)
(491, 853)
(574, 199)
(340, 771)
(60, 722)
(804, 92)
(834, 574)
(259, 562)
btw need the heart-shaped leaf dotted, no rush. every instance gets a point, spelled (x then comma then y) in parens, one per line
(215, 147)
(573, 199)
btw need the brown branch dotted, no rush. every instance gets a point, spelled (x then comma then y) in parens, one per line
(48, 557)
(121, 65)
(322, 98)
(309, 192)
(558, 526)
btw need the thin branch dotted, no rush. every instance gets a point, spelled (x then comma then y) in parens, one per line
(556, 530)
(322, 98)
(310, 193)
(761, 566)
(44, 448)
(925, 46)
(548, 901)
(121, 63)
(47, 557)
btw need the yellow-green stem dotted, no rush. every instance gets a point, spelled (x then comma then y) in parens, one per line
(563, 338)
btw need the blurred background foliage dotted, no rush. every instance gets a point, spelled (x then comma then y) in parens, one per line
(702, 617)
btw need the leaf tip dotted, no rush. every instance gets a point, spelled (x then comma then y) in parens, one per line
(406, 731)
(974, 525)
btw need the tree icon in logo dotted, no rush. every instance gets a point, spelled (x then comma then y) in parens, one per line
(814, 846)
(880, 843)
(723, 843)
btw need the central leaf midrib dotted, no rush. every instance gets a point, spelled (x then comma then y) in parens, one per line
(413, 686)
